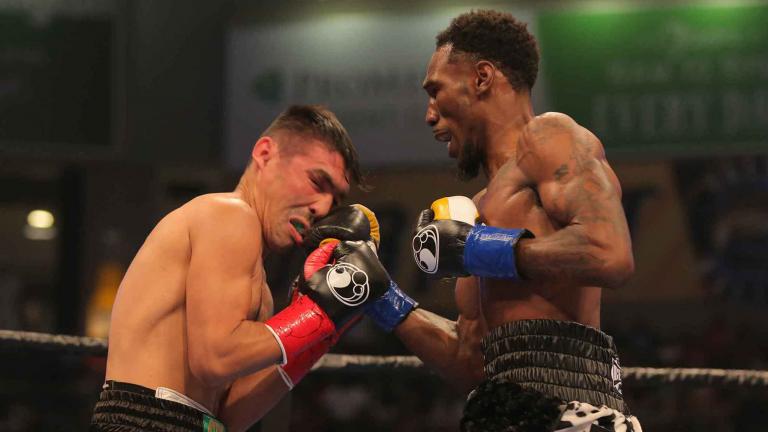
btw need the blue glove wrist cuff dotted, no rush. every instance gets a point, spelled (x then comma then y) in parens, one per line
(490, 251)
(391, 308)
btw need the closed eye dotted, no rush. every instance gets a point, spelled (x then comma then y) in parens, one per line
(431, 88)
(323, 183)
(316, 184)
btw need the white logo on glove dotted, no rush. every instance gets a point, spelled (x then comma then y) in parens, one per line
(348, 284)
(426, 249)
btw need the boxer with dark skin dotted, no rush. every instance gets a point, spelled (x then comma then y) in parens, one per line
(546, 174)
(193, 342)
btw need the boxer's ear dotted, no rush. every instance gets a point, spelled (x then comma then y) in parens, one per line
(263, 151)
(485, 72)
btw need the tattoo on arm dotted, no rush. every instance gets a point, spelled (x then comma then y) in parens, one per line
(580, 193)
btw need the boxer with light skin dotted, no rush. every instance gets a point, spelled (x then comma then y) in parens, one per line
(193, 342)
(551, 235)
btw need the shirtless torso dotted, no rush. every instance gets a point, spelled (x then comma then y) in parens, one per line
(513, 200)
(193, 313)
(546, 174)
(556, 183)
(148, 342)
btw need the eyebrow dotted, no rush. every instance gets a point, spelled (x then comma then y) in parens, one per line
(338, 191)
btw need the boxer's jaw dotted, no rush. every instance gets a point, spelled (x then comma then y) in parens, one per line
(453, 147)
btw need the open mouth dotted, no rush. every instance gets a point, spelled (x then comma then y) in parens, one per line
(298, 226)
(442, 136)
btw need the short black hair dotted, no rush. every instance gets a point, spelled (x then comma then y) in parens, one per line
(497, 37)
(318, 122)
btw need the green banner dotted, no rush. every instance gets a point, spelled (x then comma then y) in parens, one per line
(670, 80)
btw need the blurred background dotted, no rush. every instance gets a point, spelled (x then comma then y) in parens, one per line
(114, 112)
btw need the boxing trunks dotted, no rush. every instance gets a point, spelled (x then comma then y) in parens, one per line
(132, 408)
(566, 373)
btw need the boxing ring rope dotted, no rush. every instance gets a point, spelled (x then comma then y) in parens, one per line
(10, 339)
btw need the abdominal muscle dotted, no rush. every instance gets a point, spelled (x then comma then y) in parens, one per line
(504, 301)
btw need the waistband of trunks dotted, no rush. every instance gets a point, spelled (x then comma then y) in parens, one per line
(135, 408)
(564, 359)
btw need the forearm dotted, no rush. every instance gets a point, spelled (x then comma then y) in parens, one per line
(251, 397)
(451, 348)
(249, 348)
(576, 255)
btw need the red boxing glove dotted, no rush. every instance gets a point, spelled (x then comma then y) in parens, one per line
(303, 324)
(299, 366)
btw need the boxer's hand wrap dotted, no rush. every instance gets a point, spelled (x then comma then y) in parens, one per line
(391, 308)
(448, 244)
(490, 251)
(352, 222)
(345, 289)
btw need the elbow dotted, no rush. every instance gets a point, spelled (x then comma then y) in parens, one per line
(618, 269)
(471, 371)
(208, 368)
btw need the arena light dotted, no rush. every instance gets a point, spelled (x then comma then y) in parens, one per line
(40, 219)
(40, 225)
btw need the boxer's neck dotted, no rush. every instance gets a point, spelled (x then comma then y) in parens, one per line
(507, 116)
(248, 191)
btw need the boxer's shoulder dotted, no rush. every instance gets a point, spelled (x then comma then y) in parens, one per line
(551, 120)
(222, 201)
(221, 213)
(219, 205)
(544, 128)
(553, 135)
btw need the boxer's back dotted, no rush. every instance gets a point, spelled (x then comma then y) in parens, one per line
(512, 201)
(147, 322)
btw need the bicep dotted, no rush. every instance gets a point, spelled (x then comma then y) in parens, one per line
(566, 165)
(220, 278)
(587, 197)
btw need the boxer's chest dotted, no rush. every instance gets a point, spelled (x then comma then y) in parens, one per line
(512, 201)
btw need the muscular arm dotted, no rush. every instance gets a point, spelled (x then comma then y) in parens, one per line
(451, 348)
(579, 191)
(251, 397)
(225, 264)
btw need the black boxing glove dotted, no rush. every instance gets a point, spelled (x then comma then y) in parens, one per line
(339, 281)
(357, 222)
(351, 222)
(344, 290)
(441, 234)
(448, 243)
